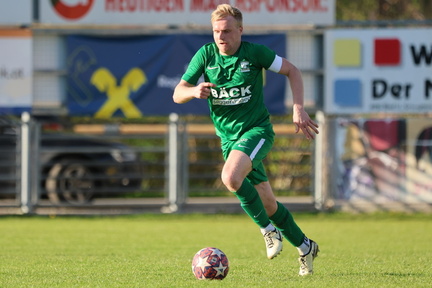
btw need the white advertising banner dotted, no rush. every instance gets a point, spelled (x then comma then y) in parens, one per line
(378, 70)
(16, 12)
(15, 71)
(184, 12)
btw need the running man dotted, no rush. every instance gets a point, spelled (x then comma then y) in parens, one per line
(233, 87)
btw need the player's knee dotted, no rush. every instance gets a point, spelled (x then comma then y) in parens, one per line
(231, 182)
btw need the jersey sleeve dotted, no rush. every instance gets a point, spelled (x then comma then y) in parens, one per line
(264, 55)
(196, 67)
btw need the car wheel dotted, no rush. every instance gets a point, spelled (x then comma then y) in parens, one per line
(70, 182)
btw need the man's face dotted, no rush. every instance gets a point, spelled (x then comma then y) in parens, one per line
(227, 35)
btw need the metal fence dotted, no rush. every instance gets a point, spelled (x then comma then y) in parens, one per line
(376, 164)
(47, 164)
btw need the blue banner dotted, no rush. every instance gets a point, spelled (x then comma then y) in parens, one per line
(135, 76)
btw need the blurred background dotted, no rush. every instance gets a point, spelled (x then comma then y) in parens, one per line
(88, 125)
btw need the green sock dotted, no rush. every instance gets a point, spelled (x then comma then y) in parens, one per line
(252, 204)
(284, 221)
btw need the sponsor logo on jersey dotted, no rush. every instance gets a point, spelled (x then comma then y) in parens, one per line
(229, 102)
(236, 95)
(232, 92)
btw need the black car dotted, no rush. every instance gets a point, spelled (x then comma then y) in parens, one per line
(68, 167)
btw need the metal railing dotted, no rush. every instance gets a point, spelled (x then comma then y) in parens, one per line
(130, 163)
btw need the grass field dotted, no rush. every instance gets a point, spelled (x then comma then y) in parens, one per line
(380, 250)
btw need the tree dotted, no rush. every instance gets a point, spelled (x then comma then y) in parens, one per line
(383, 10)
(392, 9)
(427, 8)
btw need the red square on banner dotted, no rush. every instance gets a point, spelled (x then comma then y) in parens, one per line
(387, 52)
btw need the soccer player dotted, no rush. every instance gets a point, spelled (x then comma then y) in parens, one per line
(233, 87)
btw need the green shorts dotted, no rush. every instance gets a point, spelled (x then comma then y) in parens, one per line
(256, 143)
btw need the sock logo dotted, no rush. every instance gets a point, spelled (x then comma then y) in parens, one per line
(256, 216)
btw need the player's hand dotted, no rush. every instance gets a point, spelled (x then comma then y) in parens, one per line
(303, 122)
(202, 90)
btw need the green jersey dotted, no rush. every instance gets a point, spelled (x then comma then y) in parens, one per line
(237, 102)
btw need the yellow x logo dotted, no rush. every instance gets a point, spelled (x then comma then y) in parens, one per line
(118, 96)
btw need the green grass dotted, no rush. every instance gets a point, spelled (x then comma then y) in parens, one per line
(380, 250)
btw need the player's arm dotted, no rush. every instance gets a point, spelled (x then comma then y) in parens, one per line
(184, 91)
(300, 117)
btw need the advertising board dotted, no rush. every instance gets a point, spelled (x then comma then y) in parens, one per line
(383, 160)
(16, 12)
(135, 76)
(378, 70)
(184, 12)
(16, 71)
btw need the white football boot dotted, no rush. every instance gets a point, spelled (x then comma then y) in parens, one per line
(273, 240)
(306, 261)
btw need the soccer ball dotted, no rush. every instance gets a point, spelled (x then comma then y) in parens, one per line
(210, 263)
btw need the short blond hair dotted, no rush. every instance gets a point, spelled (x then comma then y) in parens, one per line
(224, 10)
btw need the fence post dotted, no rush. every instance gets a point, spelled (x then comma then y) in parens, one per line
(36, 172)
(184, 163)
(319, 154)
(25, 163)
(174, 173)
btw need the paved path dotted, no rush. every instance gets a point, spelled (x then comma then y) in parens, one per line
(208, 205)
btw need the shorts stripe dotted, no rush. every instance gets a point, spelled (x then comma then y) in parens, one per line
(257, 148)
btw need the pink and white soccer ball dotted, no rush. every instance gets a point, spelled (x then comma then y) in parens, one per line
(210, 263)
